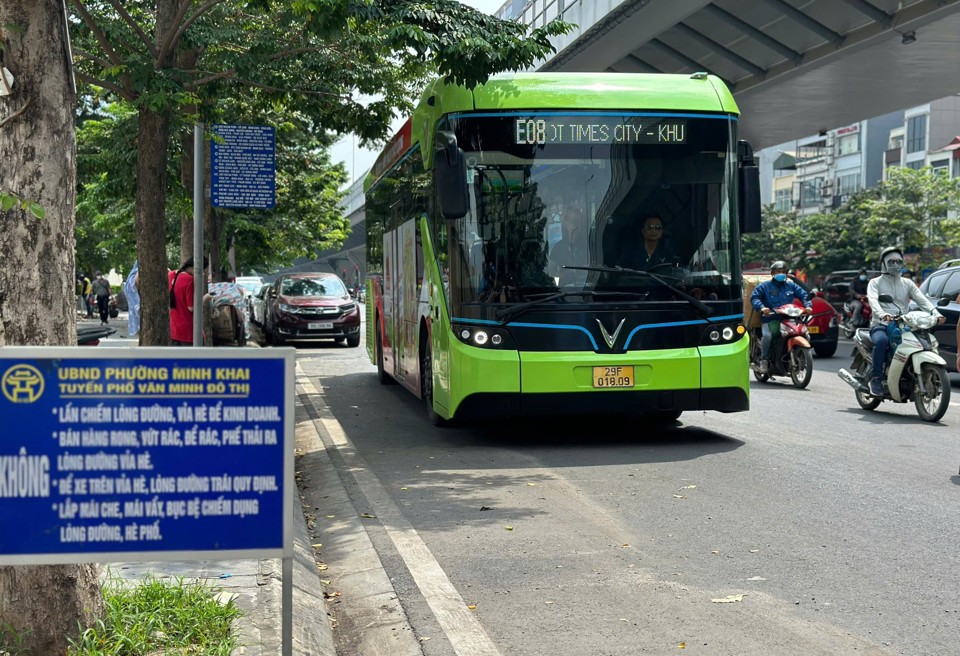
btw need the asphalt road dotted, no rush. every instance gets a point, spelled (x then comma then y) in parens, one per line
(806, 526)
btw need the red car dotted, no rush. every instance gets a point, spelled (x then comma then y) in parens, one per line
(824, 326)
(311, 306)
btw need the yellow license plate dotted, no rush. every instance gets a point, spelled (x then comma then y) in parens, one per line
(813, 330)
(620, 376)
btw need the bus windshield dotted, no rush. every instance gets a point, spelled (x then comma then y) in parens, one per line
(573, 202)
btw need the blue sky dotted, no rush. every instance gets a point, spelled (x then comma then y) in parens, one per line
(358, 160)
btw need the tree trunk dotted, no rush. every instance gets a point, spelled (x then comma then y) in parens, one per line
(186, 178)
(47, 604)
(188, 61)
(152, 134)
(214, 236)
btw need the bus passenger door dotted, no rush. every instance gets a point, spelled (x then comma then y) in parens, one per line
(407, 305)
(389, 336)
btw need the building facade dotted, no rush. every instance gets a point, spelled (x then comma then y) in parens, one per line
(928, 136)
(819, 173)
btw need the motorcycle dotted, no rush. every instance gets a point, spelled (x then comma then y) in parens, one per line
(850, 323)
(914, 372)
(90, 334)
(790, 352)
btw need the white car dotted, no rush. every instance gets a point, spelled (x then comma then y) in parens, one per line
(250, 284)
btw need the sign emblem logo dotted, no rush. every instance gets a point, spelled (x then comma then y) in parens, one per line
(22, 384)
(607, 337)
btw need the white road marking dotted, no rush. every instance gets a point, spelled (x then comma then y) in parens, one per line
(460, 625)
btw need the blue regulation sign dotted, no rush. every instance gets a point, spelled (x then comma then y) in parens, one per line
(243, 166)
(144, 454)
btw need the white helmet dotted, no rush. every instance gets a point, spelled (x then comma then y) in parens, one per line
(891, 261)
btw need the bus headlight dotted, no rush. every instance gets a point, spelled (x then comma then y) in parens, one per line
(483, 337)
(723, 334)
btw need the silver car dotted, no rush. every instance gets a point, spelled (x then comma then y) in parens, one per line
(258, 305)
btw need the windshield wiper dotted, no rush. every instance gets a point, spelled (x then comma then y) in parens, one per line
(506, 314)
(702, 309)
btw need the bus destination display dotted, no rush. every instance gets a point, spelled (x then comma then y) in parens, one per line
(599, 130)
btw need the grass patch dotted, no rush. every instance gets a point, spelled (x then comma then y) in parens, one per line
(155, 617)
(11, 642)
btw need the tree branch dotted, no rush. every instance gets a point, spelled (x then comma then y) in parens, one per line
(279, 55)
(128, 19)
(98, 33)
(231, 75)
(109, 86)
(90, 56)
(173, 38)
(305, 92)
(17, 113)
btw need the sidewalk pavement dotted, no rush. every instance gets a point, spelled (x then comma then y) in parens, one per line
(257, 584)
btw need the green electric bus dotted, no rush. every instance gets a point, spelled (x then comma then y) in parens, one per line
(563, 243)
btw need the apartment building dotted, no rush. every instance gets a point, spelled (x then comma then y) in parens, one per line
(929, 136)
(818, 173)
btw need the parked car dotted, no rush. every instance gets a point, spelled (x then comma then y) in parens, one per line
(945, 284)
(311, 306)
(824, 326)
(249, 284)
(836, 286)
(258, 305)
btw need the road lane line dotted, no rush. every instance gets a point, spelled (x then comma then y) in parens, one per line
(460, 625)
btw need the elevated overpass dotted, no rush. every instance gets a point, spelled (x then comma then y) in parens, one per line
(796, 67)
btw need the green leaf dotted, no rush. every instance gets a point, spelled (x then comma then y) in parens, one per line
(37, 210)
(7, 201)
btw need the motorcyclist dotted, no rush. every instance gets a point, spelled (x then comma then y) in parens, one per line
(890, 281)
(858, 290)
(768, 296)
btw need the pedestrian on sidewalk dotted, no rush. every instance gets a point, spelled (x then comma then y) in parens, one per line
(86, 291)
(181, 303)
(101, 289)
(131, 288)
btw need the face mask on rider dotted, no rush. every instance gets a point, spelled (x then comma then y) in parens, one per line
(893, 265)
(863, 278)
(780, 277)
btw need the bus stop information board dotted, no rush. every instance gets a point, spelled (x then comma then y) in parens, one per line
(242, 166)
(155, 454)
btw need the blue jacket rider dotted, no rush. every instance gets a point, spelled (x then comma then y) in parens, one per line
(768, 296)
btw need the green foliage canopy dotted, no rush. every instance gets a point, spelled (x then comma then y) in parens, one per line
(915, 209)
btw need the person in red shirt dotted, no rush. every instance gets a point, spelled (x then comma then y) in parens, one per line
(181, 303)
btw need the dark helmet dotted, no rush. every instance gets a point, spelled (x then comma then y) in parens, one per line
(779, 264)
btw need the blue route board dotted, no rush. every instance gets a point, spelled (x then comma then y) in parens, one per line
(162, 453)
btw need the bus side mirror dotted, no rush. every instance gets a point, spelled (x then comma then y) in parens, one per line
(450, 176)
(749, 185)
